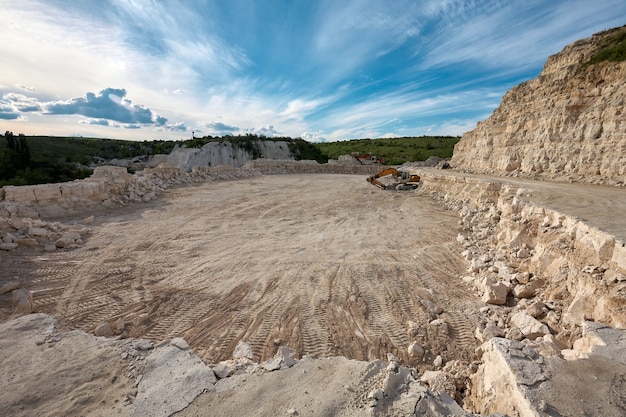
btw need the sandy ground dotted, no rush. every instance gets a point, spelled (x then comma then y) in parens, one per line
(325, 264)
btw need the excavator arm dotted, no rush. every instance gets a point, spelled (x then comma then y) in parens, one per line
(389, 171)
(402, 181)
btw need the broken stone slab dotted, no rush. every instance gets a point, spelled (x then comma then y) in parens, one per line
(600, 340)
(172, 379)
(509, 380)
(530, 327)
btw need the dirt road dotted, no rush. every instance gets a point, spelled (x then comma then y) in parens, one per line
(325, 264)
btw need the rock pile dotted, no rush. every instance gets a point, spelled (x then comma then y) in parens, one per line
(541, 274)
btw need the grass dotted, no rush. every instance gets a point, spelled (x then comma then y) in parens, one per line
(613, 48)
(59, 159)
(394, 151)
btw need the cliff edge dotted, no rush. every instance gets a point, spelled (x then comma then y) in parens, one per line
(566, 125)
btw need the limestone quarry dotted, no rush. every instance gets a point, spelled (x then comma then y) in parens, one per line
(281, 287)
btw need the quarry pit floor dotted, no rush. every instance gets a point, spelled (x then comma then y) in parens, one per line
(325, 264)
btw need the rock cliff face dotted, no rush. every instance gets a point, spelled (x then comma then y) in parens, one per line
(568, 124)
(225, 153)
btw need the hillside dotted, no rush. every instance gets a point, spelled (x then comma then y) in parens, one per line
(60, 159)
(394, 151)
(567, 124)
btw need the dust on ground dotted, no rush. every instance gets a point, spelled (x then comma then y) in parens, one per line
(325, 264)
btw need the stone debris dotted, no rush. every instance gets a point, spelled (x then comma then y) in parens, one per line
(104, 329)
(243, 350)
(496, 294)
(416, 350)
(530, 327)
(172, 378)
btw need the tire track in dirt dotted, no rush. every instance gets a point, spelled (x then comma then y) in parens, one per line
(324, 264)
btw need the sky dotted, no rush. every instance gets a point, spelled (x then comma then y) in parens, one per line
(322, 70)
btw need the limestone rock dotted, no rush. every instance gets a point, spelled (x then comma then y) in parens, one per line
(432, 308)
(438, 404)
(272, 364)
(22, 300)
(416, 350)
(489, 332)
(529, 326)
(286, 355)
(172, 379)
(516, 371)
(179, 343)
(118, 326)
(143, 345)
(37, 231)
(224, 369)
(243, 350)
(564, 123)
(496, 294)
(528, 290)
(104, 329)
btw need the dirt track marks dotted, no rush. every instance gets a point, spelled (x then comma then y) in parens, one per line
(325, 264)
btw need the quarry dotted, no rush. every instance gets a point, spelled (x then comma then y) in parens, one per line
(281, 287)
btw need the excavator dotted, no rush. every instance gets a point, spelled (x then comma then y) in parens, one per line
(402, 180)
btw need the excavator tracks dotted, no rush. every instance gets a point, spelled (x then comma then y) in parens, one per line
(323, 264)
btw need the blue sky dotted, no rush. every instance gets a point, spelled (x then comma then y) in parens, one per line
(317, 69)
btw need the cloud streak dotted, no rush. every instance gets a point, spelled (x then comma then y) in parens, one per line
(323, 69)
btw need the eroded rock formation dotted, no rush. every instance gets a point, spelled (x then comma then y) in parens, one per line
(567, 124)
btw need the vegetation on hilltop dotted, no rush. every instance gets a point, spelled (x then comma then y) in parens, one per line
(394, 151)
(26, 160)
(613, 48)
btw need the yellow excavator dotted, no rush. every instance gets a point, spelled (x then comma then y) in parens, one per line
(402, 180)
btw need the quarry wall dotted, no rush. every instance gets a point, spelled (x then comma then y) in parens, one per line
(214, 154)
(567, 124)
(111, 186)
